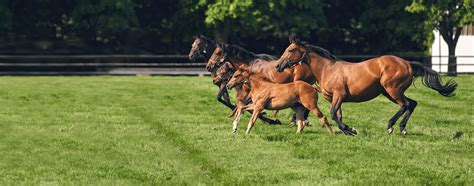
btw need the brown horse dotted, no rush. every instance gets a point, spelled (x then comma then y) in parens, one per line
(225, 73)
(273, 96)
(201, 50)
(261, 64)
(358, 82)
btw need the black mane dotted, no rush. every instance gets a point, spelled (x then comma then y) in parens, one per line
(206, 39)
(243, 54)
(319, 50)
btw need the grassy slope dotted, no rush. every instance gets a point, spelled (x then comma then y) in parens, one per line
(171, 130)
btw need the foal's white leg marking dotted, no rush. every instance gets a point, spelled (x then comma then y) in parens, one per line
(234, 126)
(300, 126)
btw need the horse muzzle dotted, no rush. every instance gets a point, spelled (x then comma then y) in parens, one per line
(209, 67)
(280, 67)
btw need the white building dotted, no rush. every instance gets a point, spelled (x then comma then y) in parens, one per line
(464, 52)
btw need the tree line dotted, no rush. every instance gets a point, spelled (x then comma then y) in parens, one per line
(168, 27)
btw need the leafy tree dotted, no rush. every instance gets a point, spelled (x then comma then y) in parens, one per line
(103, 22)
(372, 27)
(448, 17)
(168, 27)
(254, 17)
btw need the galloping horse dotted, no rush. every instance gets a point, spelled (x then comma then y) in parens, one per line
(358, 82)
(201, 49)
(267, 95)
(261, 64)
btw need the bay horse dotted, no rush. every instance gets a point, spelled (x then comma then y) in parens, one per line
(201, 50)
(358, 82)
(274, 96)
(261, 64)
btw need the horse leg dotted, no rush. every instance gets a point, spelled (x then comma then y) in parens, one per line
(335, 106)
(223, 93)
(300, 112)
(253, 119)
(295, 116)
(293, 119)
(411, 107)
(236, 121)
(312, 105)
(262, 117)
(268, 120)
(306, 114)
(397, 97)
(300, 125)
(227, 97)
(339, 113)
(323, 120)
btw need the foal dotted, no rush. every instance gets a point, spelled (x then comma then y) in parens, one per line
(224, 74)
(272, 96)
(202, 49)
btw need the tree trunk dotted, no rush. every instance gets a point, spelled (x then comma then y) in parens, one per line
(451, 36)
(452, 67)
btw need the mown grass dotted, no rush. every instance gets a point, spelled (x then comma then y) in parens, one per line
(170, 130)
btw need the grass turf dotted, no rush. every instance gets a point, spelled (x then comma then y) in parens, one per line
(170, 130)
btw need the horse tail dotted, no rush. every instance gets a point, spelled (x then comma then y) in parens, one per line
(431, 79)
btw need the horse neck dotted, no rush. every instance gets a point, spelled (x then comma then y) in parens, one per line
(268, 70)
(210, 50)
(263, 68)
(257, 83)
(319, 65)
(237, 63)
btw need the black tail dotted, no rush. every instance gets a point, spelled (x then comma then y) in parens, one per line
(431, 79)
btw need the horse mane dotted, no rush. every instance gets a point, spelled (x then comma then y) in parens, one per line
(259, 76)
(243, 54)
(266, 57)
(319, 50)
(206, 39)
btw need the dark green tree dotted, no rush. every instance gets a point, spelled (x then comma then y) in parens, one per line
(103, 22)
(250, 18)
(448, 17)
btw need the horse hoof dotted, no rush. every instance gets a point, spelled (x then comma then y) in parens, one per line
(306, 123)
(275, 122)
(403, 132)
(389, 130)
(292, 124)
(350, 132)
(354, 131)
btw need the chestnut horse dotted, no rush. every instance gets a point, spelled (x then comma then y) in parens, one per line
(358, 82)
(224, 73)
(261, 64)
(274, 96)
(201, 50)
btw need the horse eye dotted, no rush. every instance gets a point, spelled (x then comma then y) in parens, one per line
(292, 50)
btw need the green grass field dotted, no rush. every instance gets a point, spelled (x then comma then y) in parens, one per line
(170, 130)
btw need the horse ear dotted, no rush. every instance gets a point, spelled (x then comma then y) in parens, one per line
(293, 38)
